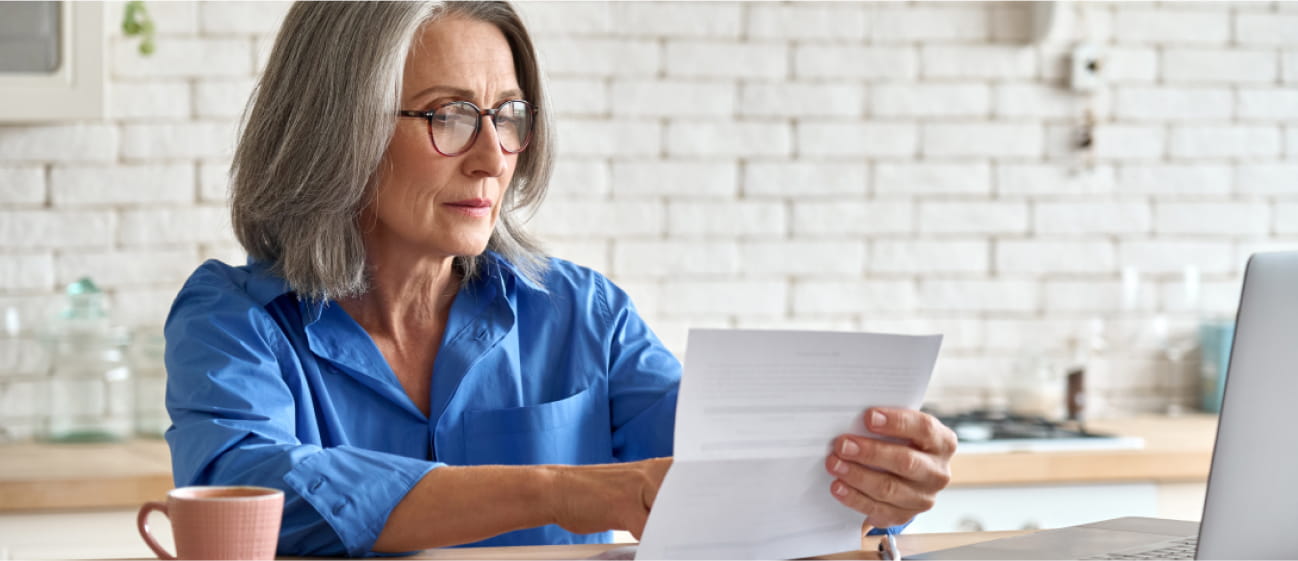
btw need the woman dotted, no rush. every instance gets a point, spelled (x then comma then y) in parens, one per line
(398, 356)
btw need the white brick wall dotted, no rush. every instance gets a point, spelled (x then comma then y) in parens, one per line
(812, 22)
(831, 219)
(801, 99)
(936, 100)
(985, 140)
(45, 229)
(1129, 142)
(150, 101)
(1090, 218)
(847, 298)
(933, 178)
(930, 257)
(675, 258)
(1043, 179)
(1177, 179)
(736, 139)
(1197, 65)
(1043, 257)
(1172, 256)
(690, 298)
(1240, 141)
(839, 140)
(22, 185)
(27, 272)
(58, 143)
(1227, 219)
(1268, 104)
(714, 59)
(183, 58)
(804, 258)
(666, 178)
(841, 62)
(806, 179)
(978, 295)
(1265, 29)
(674, 99)
(222, 98)
(973, 217)
(741, 219)
(1144, 103)
(1167, 27)
(1274, 179)
(894, 166)
(123, 184)
(978, 61)
(949, 22)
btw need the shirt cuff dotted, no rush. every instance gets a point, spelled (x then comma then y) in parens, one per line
(355, 490)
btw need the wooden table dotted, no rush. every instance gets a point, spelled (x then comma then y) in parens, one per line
(110, 534)
(907, 543)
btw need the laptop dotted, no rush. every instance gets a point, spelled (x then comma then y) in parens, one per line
(1251, 508)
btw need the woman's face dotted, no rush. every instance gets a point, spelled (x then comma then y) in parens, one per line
(432, 204)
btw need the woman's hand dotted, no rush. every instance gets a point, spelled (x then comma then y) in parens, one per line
(890, 482)
(607, 496)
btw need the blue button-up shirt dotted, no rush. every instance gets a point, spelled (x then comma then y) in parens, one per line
(265, 389)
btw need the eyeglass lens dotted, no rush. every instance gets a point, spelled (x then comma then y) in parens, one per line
(454, 126)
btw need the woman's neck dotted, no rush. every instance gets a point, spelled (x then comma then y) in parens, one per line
(407, 294)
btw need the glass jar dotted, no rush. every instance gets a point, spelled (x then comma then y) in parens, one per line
(89, 396)
(24, 371)
(150, 379)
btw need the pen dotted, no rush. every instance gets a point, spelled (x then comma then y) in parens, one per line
(891, 551)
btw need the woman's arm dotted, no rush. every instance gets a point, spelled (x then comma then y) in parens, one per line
(454, 505)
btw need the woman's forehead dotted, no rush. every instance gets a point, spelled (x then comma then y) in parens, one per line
(460, 53)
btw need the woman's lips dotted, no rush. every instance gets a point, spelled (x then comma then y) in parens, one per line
(476, 208)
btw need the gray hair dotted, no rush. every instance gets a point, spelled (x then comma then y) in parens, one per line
(317, 127)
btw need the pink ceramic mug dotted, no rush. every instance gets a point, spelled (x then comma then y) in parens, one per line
(211, 522)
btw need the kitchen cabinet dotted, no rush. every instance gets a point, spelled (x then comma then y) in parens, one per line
(1028, 490)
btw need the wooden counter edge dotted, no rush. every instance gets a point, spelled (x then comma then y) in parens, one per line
(81, 493)
(908, 543)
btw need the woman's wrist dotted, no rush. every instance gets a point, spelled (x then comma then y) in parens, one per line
(554, 487)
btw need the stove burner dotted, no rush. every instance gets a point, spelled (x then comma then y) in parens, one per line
(982, 425)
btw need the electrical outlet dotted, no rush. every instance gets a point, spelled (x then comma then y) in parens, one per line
(1087, 68)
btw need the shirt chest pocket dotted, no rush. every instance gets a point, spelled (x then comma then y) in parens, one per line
(572, 430)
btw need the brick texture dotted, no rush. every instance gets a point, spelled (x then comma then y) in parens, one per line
(908, 167)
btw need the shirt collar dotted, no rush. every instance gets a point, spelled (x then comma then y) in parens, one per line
(507, 272)
(263, 285)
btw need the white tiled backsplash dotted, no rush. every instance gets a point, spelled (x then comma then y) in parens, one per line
(892, 166)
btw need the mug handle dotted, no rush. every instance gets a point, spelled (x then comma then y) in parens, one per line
(142, 522)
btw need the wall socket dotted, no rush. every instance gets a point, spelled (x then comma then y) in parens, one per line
(1086, 70)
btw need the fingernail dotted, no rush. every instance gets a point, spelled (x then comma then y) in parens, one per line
(840, 489)
(877, 419)
(840, 467)
(850, 448)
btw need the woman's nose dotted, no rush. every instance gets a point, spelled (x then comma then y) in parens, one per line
(485, 158)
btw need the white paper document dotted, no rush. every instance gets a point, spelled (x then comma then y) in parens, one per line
(757, 414)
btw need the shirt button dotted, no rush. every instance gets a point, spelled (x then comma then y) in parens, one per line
(339, 508)
(316, 484)
(482, 334)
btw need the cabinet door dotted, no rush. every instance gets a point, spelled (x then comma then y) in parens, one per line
(970, 509)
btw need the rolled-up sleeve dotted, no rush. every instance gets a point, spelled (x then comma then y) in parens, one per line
(235, 398)
(643, 381)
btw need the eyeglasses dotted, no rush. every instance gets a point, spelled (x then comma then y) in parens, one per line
(454, 126)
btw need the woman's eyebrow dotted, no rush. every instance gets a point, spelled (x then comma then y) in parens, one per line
(464, 94)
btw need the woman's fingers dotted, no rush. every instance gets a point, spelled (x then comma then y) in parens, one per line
(880, 486)
(922, 430)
